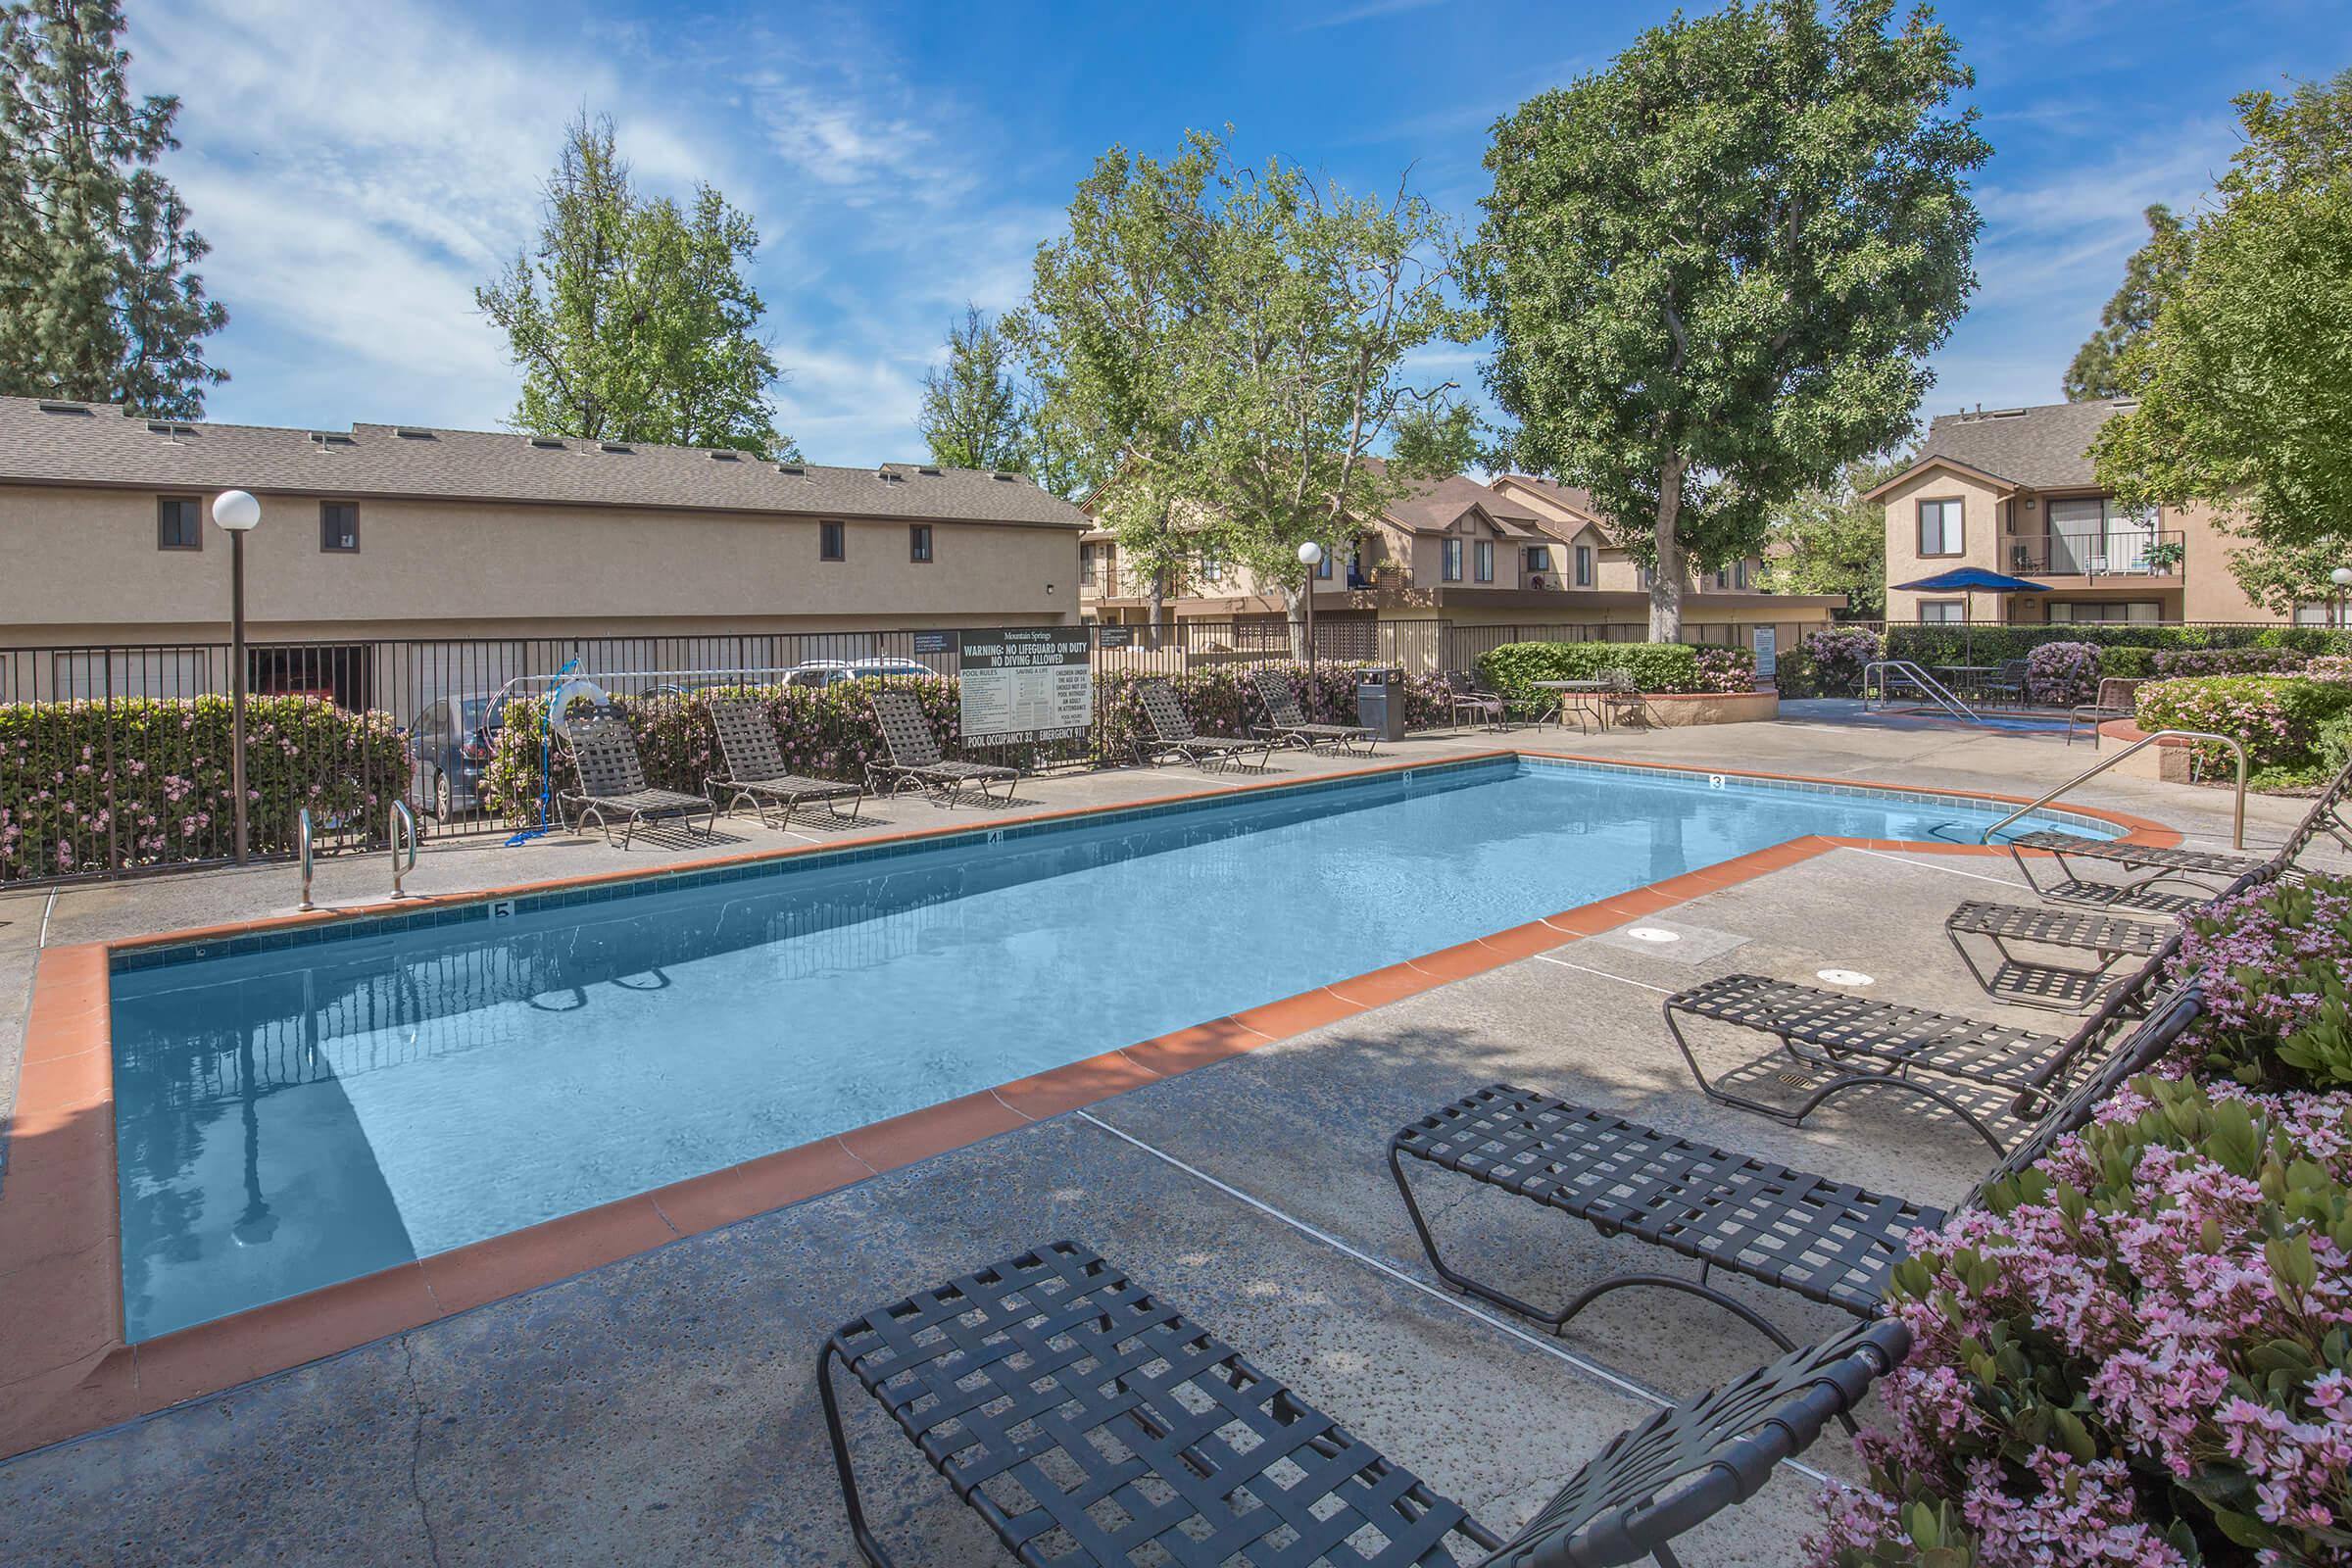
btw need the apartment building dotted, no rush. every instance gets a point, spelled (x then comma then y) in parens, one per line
(409, 532)
(2013, 491)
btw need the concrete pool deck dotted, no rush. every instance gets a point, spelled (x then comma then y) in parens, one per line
(659, 1408)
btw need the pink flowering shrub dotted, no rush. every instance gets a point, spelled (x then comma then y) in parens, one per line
(2273, 962)
(1726, 669)
(100, 786)
(1841, 654)
(2228, 661)
(2062, 674)
(2276, 718)
(829, 731)
(2136, 1352)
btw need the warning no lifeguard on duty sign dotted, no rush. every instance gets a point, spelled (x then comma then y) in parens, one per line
(1025, 683)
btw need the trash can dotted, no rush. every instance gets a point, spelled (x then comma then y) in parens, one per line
(1379, 702)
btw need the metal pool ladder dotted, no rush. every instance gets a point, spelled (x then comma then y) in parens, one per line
(403, 823)
(1930, 687)
(2237, 836)
(302, 837)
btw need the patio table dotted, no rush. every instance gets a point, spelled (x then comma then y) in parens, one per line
(1963, 678)
(1580, 693)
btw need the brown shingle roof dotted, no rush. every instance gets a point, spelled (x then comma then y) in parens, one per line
(2045, 448)
(100, 446)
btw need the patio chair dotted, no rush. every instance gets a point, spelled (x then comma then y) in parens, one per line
(1827, 1241)
(1173, 735)
(2114, 700)
(612, 783)
(754, 770)
(2210, 873)
(1464, 695)
(2030, 983)
(915, 757)
(1090, 1424)
(1622, 702)
(1867, 1044)
(2009, 681)
(1287, 723)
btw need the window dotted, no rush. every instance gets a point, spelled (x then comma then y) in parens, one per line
(1942, 610)
(1485, 561)
(2143, 612)
(1583, 566)
(1451, 568)
(1939, 528)
(918, 542)
(2090, 534)
(1211, 568)
(178, 524)
(1740, 575)
(2315, 612)
(1323, 566)
(338, 526)
(1539, 557)
(829, 543)
(1086, 563)
(1723, 577)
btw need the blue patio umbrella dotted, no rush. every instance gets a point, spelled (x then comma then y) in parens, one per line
(1968, 580)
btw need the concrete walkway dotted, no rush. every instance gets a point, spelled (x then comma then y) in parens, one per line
(660, 1409)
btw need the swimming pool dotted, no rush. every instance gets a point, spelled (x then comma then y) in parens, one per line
(297, 1109)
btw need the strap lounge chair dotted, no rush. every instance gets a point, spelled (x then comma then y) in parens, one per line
(2208, 873)
(1863, 1044)
(2114, 700)
(612, 783)
(1090, 1424)
(915, 757)
(1826, 1241)
(1287, 724)
(1173, 735)
(1464, 695)
(2032, 983)
(756, 773)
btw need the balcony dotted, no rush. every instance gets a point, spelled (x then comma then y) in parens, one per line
(2133, 553)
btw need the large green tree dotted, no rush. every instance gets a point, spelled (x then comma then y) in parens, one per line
(1435, 439)
(632, 320)
(99, 301)
(2283, 578)
(972, 412)
(1828, 540)
(1715, 269)
(2245, 380)
(2151, 275)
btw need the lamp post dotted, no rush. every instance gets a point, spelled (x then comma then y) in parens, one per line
(2341, 576)
(237, 512)
(1310, 555)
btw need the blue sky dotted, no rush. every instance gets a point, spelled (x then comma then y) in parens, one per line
(357, 169)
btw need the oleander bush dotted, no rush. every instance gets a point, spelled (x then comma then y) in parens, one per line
(1726, 669)
(2278, 719)
(1836, 657)
(141, 781)
(829, 732)
(1513, 668)
(2062, 674)
(2230, 661)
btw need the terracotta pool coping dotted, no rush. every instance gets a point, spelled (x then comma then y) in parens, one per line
(64, 1368)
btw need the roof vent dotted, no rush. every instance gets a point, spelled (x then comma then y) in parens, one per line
(933, 472)
(793, 469)
(887, 476)
(549, 443)
(621, 447)
(168, 431)
(63, 407)
(725, 455)
(324, 439)
(416, 435)
(1005, 479)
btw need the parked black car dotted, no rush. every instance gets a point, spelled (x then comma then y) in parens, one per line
(451, 742)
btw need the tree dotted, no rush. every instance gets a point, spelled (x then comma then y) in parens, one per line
(1435, 439)
(1715, 269)
(99, 301)
(2281, 578)
(1828, 540)
(971, 411)
(2245, 382)
(632, 321)
(2151, 275)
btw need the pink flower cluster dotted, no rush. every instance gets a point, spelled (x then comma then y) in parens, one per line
(1841, 654)
(2228, 661)
(2062, 674)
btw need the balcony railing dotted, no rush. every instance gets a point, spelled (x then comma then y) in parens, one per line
(2128, 554)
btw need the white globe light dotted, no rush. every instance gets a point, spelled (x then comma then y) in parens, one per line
(1310, 554)
(237, 511)
(2341, 576)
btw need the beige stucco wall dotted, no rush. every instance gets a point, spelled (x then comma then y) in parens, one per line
(1980, 528)
(85, 560)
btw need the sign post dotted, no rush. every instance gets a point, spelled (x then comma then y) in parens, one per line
(1022, 685)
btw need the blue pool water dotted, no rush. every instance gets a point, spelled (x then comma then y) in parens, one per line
(292, 1114)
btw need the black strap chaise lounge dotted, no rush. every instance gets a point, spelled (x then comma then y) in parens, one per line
(755, 772)
(1464, 695)
(2027, 982)
(1173, 735)
(1866, 1044)
(915, 757)
(613, 782)
(2208, 872)
(1287, 723)
(1092, 1425)
(1827, 1241)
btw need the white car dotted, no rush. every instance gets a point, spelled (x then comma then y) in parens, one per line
(833, 671)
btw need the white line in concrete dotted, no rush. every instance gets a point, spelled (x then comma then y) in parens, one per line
(1592, 1370)
(2011, 883)
(1662, 991)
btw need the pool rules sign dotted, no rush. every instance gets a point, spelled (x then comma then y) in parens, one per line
(1026, 683)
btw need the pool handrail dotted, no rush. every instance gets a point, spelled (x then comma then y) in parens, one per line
(404, 820)
(1934, 688)
(2237, 834)
(302, 838)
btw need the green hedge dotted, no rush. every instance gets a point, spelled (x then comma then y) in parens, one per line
(1513, 668)
(145, 782)
(1934, 644)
